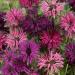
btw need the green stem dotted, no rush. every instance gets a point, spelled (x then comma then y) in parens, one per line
(58, 73)
(66, 69)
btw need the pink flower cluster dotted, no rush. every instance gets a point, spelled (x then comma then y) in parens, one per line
(68, 23)
(15, 37)
(34, 43)
(51, 63)
(14, 16)
(53, 40)
(51, 8)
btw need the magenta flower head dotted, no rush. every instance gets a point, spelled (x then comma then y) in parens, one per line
(8, 56)
(28, 3)
(51, 8)
(14, 16)
(68, 23)
(53, 40)
(70, 53)
(52, 63)
(14, 63)
(16, 35)
(19, 64)
(37, 25)
(29, 49)
(8, 69)
(15, 67)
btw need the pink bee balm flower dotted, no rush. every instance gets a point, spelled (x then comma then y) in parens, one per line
(68, 23)
(52, 40)
(44, 7)
(14, 16)
(15, 37)
(52, 63)
(51, 8)
(18, 34)
(11, 42)
(28, 3)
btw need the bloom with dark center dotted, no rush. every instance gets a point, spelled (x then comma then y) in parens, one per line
(70, 53)
(28, 3)
(29, 49)
(8, 69)
(52, 7)
(8, 56)
(51, 63)
(14, 16)
(19, 64)
(37, 25)
(16, 35)
(16, 61)
(68, 23)
(53, 40)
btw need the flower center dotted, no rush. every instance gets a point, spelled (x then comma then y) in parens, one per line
(51, 62)
(28, 51)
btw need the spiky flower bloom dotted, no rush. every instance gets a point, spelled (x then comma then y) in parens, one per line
(19, 64)
(14, 64)
(8, 69)
(53, 40)
(70, 53)
(28, 3)
(16, 35)
(11, 42)
(14, 16)
(51, 63)
(51, 8)
(68, 23)
(8, 56)
(37, 25)
(29, 49)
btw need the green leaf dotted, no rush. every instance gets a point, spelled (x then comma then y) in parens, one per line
(4, 6)
(40, 12)
(15, 3)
